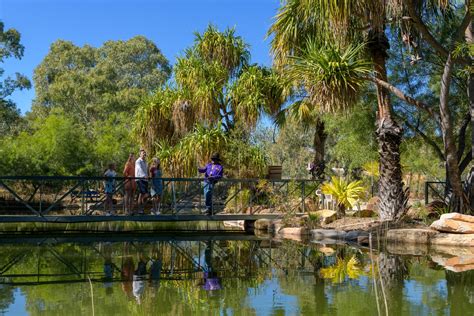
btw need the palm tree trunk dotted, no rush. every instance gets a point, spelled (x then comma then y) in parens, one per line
(470, 92)
(392, 271)
(319, 142)
(389, 134)
(457, 200)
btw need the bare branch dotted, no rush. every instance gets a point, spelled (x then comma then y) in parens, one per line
(402, 96)
(428, 140)
(430, 39)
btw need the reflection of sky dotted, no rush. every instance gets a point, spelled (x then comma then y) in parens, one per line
(19, 305)
(269, 300)
(414, 292)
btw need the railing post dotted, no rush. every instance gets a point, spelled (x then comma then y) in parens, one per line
(303, 196)
(82, 192)
(173, 192)
(426, 192)
(41, 198)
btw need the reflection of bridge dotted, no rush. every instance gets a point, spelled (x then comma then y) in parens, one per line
(181, 258)
(81, 199)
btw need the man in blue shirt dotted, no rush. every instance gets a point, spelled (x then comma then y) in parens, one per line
(213, 171)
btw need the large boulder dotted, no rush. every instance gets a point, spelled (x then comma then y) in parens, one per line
(458, 240)
(456, 263)
(455, 223)
(319, 234)
(411, 235)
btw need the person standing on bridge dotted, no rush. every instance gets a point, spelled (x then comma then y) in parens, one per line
(130, 186)
(141, 176)
(156, 185)
(213, 171)
(109, 189)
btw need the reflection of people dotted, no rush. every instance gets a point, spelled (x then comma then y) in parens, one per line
(108, 268)
(139, 279)
(156, 185)
(141, 175)
(109, 189)
(213, 171)
(128, 268)
(130, 185)
(211, 281)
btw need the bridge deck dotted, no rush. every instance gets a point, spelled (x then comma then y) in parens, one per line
(134, 218)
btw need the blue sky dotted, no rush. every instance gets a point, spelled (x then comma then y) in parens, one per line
(169, 23)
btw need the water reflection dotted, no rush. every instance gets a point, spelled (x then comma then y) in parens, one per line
(197, 275)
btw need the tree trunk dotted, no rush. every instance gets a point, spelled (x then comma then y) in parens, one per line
(470, 92)
(392, 197)
(319, 141)
(457, 198)
(392, 271)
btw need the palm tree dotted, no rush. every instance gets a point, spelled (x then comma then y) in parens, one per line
(215, 93)
(312, 31)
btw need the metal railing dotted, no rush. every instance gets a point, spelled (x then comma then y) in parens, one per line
(60, 195)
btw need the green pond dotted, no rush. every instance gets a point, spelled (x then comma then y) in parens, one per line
(231, 274)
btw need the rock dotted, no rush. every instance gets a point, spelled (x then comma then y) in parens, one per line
(408, 249)
(459, 240)
(327, 233)
(325, 216)
(294, 233)
(234, 224)
(327, 251)
(456, 264)
(446, 224)
(364, 213)
(458, 217)
(353, 235)
(262, 224)
(275, 225)
(411, 235)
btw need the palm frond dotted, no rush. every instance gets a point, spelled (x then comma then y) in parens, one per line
(332, 76)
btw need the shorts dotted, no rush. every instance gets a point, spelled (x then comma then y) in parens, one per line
(142, 186)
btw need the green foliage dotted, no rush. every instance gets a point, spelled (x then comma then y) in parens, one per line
(346, 193)
(333, 76)
(344, 268)
(214, 94)
(290, 148)
(351, 139)
(10, 46)
(55, 146)
(89, 83)
(112, 141)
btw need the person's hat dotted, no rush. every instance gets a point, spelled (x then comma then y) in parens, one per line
(216, 157)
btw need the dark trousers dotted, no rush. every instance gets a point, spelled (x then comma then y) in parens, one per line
(208, 189)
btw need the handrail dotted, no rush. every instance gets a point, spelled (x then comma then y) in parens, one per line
(134, 178)
(42, 195)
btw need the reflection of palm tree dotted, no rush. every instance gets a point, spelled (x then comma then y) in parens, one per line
(392, 270)
(460, 291)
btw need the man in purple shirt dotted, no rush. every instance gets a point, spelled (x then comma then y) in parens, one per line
(213, 171)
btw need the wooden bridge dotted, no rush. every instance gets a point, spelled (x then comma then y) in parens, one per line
(81, 199)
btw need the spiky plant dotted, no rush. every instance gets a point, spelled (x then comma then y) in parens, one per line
(346, 193)
(332, 75)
